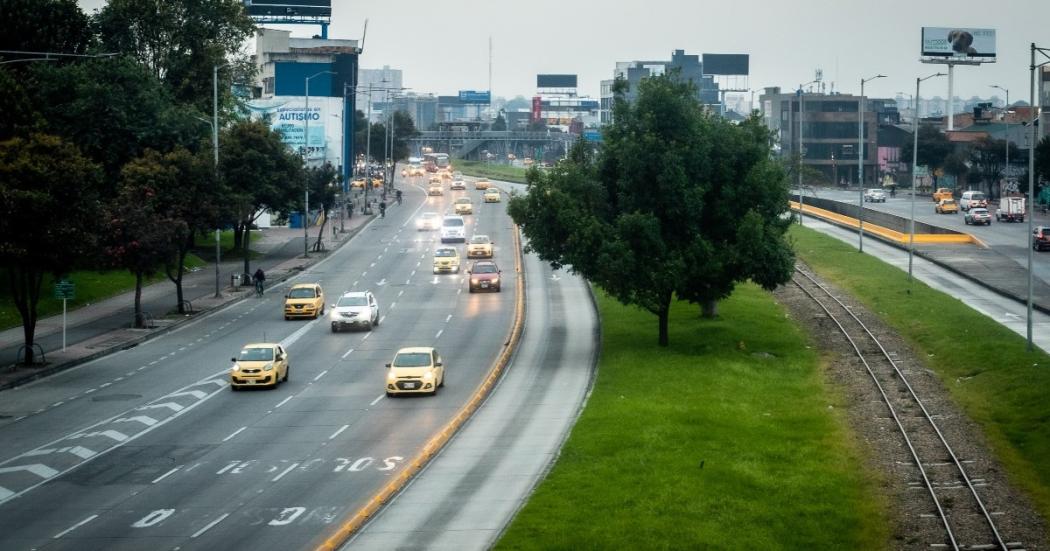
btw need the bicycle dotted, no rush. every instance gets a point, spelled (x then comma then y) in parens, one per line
(258, 288)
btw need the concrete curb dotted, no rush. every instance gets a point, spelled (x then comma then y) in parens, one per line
(430, 450)
(1001, 292)
(132, 343)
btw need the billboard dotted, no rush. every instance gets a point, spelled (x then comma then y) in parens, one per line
(289, 8)
(475, 97)
(726, 64)
(958, 42)
(537, 109)
(556, 81)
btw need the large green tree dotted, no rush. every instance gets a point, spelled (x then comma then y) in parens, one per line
(934, 149)
(675, 202)
(54, 26)
(179, 41)
(49, 214)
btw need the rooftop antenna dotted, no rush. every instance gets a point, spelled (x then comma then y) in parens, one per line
(364, 33)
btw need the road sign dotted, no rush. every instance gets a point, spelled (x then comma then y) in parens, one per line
(65, 289)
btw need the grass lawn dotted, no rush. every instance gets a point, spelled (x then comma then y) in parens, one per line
(205, 246)
(983, 364)
(707, 444)
(91, 287)
(494, 171)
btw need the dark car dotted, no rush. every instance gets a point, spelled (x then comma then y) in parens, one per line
(484, 276)
(1041, 238)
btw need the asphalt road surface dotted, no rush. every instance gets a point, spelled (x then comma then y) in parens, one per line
(1008, 238)
(149, 449)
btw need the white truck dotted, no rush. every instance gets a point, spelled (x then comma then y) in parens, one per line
(1011, 209)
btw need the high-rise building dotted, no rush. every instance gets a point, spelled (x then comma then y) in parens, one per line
(385, 83)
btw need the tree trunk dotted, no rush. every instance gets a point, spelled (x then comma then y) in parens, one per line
(709, 309)
(139, 321)
(664, 315)
(238, 236)
(320, 232)
(25, 290)
(247, 250)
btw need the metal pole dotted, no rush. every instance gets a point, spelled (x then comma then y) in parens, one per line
(63, 324)
(215, 158)
(801, 154)
(1031, 196)
(860, 168)
(951, 96)
(306, 181)
(914, 177)
(368, 146)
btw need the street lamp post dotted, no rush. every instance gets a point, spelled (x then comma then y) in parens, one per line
(914, 170)
(306, 160)
(801, 148)
(1006, 163)
(860, 162)
(215, 156)
(1045, 52)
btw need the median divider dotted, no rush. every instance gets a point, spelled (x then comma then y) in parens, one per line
(438, 441)
(894, 236)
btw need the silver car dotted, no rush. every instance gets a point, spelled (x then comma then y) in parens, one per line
(874, 196)
(354, 310)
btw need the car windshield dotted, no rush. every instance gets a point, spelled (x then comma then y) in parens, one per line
(256, 355)
(412, 359)
(977, 197)
(463, 201)
(874, 191)
(980, 211)
(306, 292)
(948, 202)
(429, 216)
(479, 240)
(352, 301)
(445, 252)
(485, 269)
(453, 222)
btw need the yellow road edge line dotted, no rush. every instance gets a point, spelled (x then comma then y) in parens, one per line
(438, 441)
(893, 235)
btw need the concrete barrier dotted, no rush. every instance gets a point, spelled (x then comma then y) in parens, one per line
(880, 224)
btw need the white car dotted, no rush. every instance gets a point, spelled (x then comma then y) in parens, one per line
(453, 228)
(428, 221)
(354, 310)
(874, 196)
(458, 185)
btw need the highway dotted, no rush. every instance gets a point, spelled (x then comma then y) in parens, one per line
(1009, 239)
(149, 449)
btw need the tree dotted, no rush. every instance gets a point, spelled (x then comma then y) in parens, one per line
(404, 130)
(260, 172)
(322, 182)
(934, 149)
(43, 26)
(48, 214)
(675, 202)
(22, 118)
(179, 41)
(500, 124)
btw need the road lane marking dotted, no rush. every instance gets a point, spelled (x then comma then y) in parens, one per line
(210, 525)
(365, 338)
(104, 385)
(284, 472)
(56, 404)
(282, 402)
(365, 274)
(148, 421)
(393, 305)
(438, 336)
(198, 394)
(408, 282)
(347, 353)
(235, 433)
(336, 433)
(459, 291)
(448, 318)
(75, 526)
(372, 265)
(39, 469)
(290, 339)
(412, 274)
(166, 475)
(381, 319)
(401, 292)
(376, 401)
(380, 257)
(231, 465)
(321, 374)
(354, 285)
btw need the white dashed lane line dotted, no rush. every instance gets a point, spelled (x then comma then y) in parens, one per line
(283, 402)
(341, 429)
(284, 472)
(347, 353)
(321, 374)
(210, 525)
(438, 336)
(75, 526)
(166, 475)
(376, 401)
(235, 433)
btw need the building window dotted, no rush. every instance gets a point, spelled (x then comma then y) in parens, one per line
(268, 85)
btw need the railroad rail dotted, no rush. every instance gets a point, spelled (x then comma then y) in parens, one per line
(963, 519)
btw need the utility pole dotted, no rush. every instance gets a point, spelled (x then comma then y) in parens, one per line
(860, 161)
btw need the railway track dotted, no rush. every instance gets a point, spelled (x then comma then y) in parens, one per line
(956, 502)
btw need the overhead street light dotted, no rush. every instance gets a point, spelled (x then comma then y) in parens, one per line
(860, 161)
(914, 169)
(801, 148)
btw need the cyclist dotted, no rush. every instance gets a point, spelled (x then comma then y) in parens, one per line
(259, 278)
(398, 196)
(382, 210)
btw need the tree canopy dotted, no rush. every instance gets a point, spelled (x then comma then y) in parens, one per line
(676, 201)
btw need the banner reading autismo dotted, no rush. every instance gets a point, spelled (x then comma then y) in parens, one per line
(288, 116)
(959, 43)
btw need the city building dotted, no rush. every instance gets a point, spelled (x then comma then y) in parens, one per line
(830, 132)
(558, 104)
(287, 67)
(385, 83)
(711, 74)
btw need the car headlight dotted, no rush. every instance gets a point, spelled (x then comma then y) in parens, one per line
(495, 280)
(428, 376)
(390, 377)
(474, 281)
(268, 367)
(235, 368)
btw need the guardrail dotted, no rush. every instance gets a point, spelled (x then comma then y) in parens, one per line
(884, 232)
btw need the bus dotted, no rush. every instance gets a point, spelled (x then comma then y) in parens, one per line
(434, 162)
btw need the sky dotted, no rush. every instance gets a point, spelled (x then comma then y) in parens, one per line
(443, 46)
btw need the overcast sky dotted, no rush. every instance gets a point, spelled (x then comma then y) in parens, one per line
(442, 46)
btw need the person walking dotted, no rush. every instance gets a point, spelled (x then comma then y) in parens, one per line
(382, 210)
(259, 278)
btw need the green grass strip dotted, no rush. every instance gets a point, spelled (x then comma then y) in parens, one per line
(742, 395)
(983, 364)
(494, 171)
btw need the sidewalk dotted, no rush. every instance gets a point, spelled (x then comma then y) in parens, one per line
(102, 328)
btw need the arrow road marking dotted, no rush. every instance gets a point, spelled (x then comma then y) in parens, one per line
(39, 469)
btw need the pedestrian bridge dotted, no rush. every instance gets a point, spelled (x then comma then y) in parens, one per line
(472, 145)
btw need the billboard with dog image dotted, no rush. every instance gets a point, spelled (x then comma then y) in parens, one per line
(958, 42)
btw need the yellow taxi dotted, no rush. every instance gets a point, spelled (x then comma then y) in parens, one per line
(377, 182)
(480, 246)
(435, 188)
(357, 183)
(415, 370)
(942, 193)
(446, 259)
(491, 195)
(259, 364)
(464, 206)
(482, 184)
(947, 206)
(304, 300)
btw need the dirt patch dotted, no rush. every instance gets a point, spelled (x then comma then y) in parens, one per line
(913, 513)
